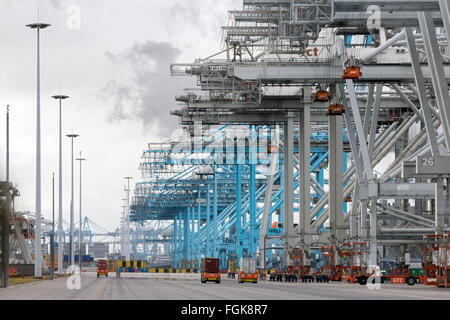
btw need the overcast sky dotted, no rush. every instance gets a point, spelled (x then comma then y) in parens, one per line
(115, 68)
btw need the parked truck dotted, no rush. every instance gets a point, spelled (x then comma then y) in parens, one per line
(409, 275)
(102, 268)
(210, 270)
(248, 272)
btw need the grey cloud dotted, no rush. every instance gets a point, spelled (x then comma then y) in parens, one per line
(205, 16)
(56, 3)
(148, 93)
(122, 97)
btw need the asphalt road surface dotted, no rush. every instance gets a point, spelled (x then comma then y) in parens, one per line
(93, 288)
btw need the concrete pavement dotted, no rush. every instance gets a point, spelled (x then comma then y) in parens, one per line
(111, 288)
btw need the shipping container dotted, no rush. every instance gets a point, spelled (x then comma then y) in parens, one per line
(102, 268)
(210, 265)
(210, 270)
(248, 265)
(84, 258)
(248, 271)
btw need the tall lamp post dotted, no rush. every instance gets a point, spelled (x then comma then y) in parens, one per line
(72, 251)
(80, 242)
(60, 214)
(127, 213)
(123, 234)
(52, 238)
(37, 241)
(4, 213)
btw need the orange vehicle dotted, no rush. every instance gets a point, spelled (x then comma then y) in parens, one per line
(352, 69)
(297, 270)
(321, 96)
(332, 271)
(102, 268)
(248, 272)
(350, 255)
(13, 272)
(351, 73)
(410, 274)
(248, 277)
(437, 260)
(55, 265)
(336, 109)
(210, 270)
(403, 278)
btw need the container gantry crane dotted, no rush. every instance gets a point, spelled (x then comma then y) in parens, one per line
(382, 81)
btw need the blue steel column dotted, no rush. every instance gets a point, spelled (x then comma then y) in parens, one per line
(208, 221)
(192, 236)
(145, 249)
(281, 215)
(238, 211)
(270, 223)
(252, 207)
(199, 240)
(321, 177)
(215, 250)
(180, 244)
(252, 191)
(174, 251)
(186, 234)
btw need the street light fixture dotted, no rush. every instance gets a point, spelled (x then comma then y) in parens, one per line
(4, 213)
(124, 234)
(72, 253)
(81, 223)
(52, 238)
(127, 213)
(60, 210)
(37, 241)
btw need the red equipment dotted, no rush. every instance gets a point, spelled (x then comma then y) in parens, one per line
(102, 268)
(321, 96)
(248, 272)
(210, 270)
(334, 272)
(443, 277)
(298, 269)
(335, 110)
(436, 258)
(352, 73)
(352, 69)
(248, 277)
(352, 253)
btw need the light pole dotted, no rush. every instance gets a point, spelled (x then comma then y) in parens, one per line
(60, 214)
(124, 235)
(52, 238)
(127, 212)
(4, 213)
(81, 222)
(72, 253)
(37, 241)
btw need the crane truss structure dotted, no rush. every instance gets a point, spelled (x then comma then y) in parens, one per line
(385, 128)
